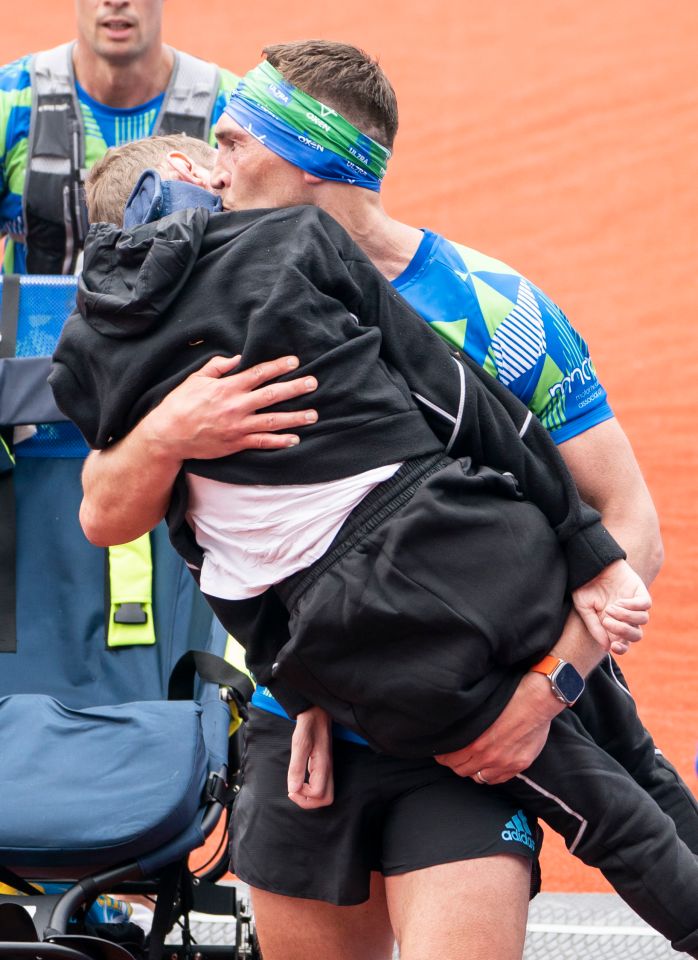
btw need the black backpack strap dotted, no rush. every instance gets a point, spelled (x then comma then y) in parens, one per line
(213, 669)
(11, 879)
(8, 519)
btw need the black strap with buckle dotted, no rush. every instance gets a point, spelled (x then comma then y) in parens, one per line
(8, 518)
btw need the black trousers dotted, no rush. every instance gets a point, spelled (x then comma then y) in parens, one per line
(383, 623)
(620, 806)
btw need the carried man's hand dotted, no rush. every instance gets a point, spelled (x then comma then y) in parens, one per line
(614, 606)
(311, 752)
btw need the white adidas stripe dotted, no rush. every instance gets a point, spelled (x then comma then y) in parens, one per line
(583, 823)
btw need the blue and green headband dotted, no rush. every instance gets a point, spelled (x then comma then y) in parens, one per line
(304, 131)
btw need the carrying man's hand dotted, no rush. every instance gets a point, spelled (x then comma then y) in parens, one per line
(513, 741)
(211, 414)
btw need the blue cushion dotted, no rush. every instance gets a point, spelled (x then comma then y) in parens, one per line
(104, 784)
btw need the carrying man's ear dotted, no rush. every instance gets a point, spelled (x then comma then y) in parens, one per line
(178, 166)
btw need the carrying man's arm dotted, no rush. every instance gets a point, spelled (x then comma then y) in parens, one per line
(607, 474)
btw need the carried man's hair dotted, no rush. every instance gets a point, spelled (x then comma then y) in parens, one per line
(111, 180)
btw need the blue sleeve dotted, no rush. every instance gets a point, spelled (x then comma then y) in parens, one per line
(563, 389)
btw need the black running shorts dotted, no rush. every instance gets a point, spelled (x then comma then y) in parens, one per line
(389, 815)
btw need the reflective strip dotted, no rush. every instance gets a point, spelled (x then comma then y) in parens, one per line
(583, 823)
(461, 406)
(56, 165)
(131, 582)
(623, 687)
(6, 456)
(526, 424)
(235, 656)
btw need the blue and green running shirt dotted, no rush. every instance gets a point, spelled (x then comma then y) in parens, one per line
(510, 328)
(104, 127)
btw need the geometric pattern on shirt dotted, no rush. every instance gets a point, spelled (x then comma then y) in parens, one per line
(519, 341)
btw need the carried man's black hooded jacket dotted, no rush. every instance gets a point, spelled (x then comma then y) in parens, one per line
(158, 301)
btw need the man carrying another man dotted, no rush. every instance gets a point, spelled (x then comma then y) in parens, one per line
(464, 885)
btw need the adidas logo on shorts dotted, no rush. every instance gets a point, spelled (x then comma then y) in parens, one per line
(517, 829)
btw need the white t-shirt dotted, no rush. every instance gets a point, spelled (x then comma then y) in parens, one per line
(254, 536)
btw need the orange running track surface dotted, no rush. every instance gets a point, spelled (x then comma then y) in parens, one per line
(562, 138)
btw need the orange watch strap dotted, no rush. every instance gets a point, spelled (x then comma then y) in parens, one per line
(546, 665)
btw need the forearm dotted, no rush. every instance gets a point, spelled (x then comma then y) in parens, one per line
(577, 646)
(609, 478)
(637, 531)
(126, 489)
(518, 735)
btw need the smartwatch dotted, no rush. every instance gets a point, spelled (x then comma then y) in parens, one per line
(566, 682)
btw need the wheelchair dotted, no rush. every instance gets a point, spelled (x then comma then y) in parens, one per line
(117, 694)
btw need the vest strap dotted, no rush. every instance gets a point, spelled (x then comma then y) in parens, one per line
(189, 98)
(235, 656)
(130, 594)
(54, 210)
(55, 214)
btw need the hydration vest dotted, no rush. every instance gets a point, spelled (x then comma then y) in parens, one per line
(55, 216)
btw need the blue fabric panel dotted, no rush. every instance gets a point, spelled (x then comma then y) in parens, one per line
(25, 396)
(61, 642)
(215, 718)
(106, 784)
(61, 577)
(101, 785)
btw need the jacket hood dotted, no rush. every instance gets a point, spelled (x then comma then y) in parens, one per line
(153, 198)
(131, 276)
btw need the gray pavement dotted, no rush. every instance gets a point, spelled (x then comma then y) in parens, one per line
(590, 926)
(562, 926)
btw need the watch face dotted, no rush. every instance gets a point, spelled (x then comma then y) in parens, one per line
(568, 682)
